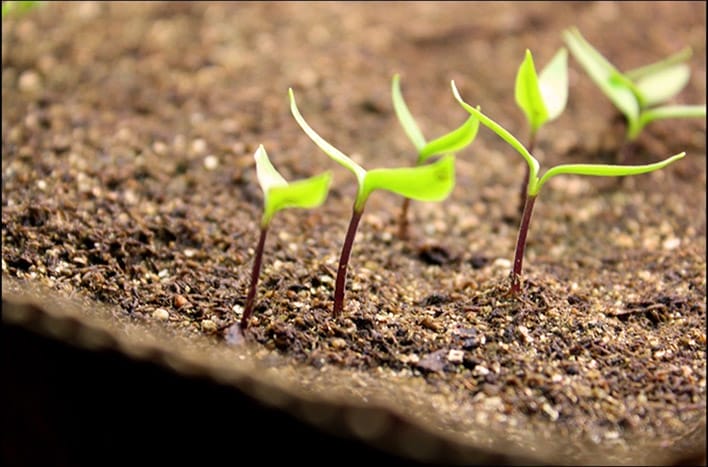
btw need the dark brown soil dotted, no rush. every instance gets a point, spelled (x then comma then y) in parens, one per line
(127, 140)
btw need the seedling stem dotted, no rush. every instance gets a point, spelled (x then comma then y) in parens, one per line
(255, 272)
(344, 261)
(521, 245)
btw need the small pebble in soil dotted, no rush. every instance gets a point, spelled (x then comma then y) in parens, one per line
(671, 243)
(211, 162)
(179, 301)
(199, 146)
(29, 81)
(208, 325)
(161, 314)
(455, 356)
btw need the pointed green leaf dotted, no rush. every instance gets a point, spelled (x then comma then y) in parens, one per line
(334, 153)
(404, 115)
(431, 182)
(604, 74)
(668, 111)
(500, 131)
(268, 177)
(279, 194)
(451, 142)
(528, 94)
(308, 193)
(674, 59)
(602, 170)
(664, 84)
(553, 82)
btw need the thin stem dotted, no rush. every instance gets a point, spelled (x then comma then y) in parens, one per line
(251, 299)
(403, 220)
(525, 183)
(344, 261)
(521, 245)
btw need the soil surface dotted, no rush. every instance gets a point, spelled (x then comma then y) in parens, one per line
(128, 133)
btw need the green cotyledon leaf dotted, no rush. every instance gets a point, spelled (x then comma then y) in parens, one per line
(553, 82)
(404, 115)
(278, 194)
(604, 74)
(431, 182)
(603, 170)
(528, 93)
(499, 130)
(662, 85)
(668, 111)
(334, 153)
(451, 142)
(679, 57)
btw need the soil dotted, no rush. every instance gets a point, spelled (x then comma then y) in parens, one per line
(128, 133)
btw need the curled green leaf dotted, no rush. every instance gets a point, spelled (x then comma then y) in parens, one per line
(451, 142)
(668, 62)
(553, 82)
(668, 111)
(278, 194)
(528, 94)
(500, 131)
(430, 182)
(603, 170)
(604, 74)
(404, 115)
(663, 84)
(334, 153)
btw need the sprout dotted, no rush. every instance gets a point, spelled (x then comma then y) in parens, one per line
(638, 93)
(541, 98)
(446, 144)
(535, 182)
(279, 194)
(431, 182)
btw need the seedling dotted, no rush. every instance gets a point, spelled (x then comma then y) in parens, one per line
(279, 194)
(639, 93)
(430, 182)
(542, 98)
(536, 182)
(451, 142)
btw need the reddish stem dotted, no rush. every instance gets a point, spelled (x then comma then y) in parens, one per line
(403, 220)
(344, 261)
(521, 245)
(525, 184)
(251, 299)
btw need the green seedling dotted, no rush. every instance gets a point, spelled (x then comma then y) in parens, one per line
(638, 94)
(279, 194)
(542, 98)
(536, 182)
(430, 182)
(449, 143)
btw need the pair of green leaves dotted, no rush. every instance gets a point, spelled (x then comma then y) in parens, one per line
(448, 143)
(431, 182)
(279, 194)
(535, 182)
(542, 97)
(637, 93)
